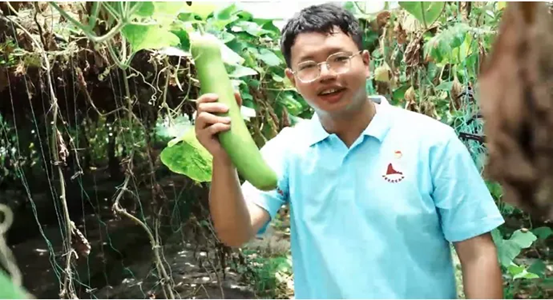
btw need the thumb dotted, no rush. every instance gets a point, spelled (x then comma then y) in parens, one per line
(238, 98)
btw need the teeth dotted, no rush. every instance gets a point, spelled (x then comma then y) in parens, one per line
(329, 91)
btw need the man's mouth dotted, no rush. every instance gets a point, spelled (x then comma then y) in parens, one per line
(332, 95)
(331, 91)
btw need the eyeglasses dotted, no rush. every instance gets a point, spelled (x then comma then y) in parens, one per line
(310, 71)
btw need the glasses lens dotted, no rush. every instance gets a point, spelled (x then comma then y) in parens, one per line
(339, 63)
(308, 72)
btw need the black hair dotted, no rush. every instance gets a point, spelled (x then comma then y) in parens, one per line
(320, 18)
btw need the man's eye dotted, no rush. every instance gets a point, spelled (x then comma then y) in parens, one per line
(307, 66)
(341, 58)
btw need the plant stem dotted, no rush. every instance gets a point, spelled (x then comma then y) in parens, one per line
(88, 31)
(166, 280)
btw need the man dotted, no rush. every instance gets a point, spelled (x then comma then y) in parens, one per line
(376, 193)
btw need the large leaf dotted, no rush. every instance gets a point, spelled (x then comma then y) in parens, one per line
(149, 37)
(169, 129)
(146, 9)
(166, 12)
(241, 71)
(507, 250)
(293, 106)
(188, 157)
(543, 232)
(425, 12)
(252, 28)
(451, 45)
(268, 57)
(202, 9)
(222, 17)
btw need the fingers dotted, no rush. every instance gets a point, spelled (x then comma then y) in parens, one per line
(207, 110)
(212, 108)
(218, 127)
(210, 97)
(206, 119)
(207, 98)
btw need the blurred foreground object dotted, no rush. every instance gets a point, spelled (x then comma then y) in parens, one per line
(8, 290)
(515, 89)
(10, 287)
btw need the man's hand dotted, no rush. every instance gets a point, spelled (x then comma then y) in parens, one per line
(208, 124)
(481, 272)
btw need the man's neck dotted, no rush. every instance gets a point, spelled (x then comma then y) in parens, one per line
(349, 126)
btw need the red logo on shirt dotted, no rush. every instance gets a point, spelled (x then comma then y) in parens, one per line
(392, 174)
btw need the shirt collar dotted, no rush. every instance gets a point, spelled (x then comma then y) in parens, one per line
(377, 128)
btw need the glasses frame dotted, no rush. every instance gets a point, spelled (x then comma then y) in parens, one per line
(326, 62)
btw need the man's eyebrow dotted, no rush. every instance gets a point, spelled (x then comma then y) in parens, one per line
(329, 52)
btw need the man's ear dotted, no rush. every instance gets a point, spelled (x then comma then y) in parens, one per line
(290, 76)
(366, 61)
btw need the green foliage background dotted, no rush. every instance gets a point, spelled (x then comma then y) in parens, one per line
(425, 57)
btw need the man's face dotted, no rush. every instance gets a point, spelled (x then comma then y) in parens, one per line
(310, 49)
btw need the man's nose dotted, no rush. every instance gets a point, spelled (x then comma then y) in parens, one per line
(326, 72)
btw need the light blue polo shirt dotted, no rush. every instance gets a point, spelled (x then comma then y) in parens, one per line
(375, 220)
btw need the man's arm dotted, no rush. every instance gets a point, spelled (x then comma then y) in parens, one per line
(481, 272)
(235, 221)
(468, 214)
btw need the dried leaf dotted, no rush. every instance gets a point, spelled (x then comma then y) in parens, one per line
(410, 99)
(382, 73)
(455, 94)
(413, 53)
(401, 35)
(382, 19)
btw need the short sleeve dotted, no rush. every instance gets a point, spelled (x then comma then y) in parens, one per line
(461, 195)
(274, 153)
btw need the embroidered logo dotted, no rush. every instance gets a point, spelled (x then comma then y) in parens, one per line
(392, 174)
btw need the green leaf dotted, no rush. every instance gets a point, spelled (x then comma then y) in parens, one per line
(293, 106)
(173, 128)
(451, 45)
(495, 188)
(526, 275)
(425, 12)
(515, 270)
(244, 15)
(149, 37)
(225, 13)
(222, 17)
(399, 93)
(277, 78)
(184, 39)
(229, 56)
(521, 272)
(250, 27)
(202, 9)
(189, 158)
(226, 37)
(538, 268)
(523, 239)
(507, 250)
(241, 71)
(543, 232)
(269, 26)
(145, 10)
(167, 12)
(173, 51)
(268, 57)
(444, 86)
(191, 18)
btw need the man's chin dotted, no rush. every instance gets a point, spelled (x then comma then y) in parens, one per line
(333, 108)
